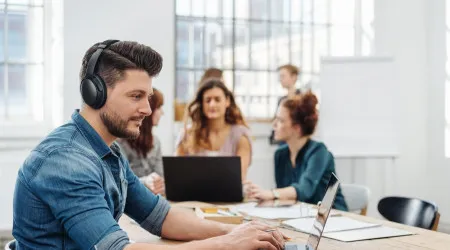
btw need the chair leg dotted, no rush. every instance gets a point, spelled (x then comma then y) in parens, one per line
(363, 211)
(436, 222)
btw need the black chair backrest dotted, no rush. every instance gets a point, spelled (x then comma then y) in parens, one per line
(408, 211)
(11, 245)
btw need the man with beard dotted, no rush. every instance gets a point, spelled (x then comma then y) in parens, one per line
(75, 185)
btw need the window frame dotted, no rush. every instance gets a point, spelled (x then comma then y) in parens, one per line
(24, 132)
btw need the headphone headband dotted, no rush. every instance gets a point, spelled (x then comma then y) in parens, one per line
(92, 64)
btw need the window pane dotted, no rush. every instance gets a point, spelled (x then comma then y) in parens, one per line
(183, 41)
(17, 90)
(198, 7)
(227, 8)
(279, 45)
(273, 106)
(25, 33)
(242, 45)
(183, 7)
(342, 41)
(241, 102)
(197, 44)
(260, 84)
(297, 44)
(185, 85)
(296, 10)
(279, 10)
(259, 51)
(228, 78)
(259, 9)
(198, 77)
(241, 9)
(320, 45)
(307, 7)
(321, 11)
(214, 43)
(227, 44)
(213, 8)
(275, 85)
(34, 80)
(258, 107)
(308, 44)
(343, 12)
(243, 80)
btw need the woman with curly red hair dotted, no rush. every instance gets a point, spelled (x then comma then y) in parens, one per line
(302, 166)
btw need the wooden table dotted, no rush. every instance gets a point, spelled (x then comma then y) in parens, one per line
(423, 239)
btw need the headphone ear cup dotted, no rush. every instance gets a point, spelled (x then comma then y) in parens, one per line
(88, 92)
(93, 91)
(101, 91)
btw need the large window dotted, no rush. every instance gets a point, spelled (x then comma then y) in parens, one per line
(28, 45)
(249, 39)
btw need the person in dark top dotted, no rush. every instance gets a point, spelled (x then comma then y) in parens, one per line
(288, 77)
(302, 166)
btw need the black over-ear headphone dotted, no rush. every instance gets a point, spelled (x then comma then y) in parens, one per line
(92, 87)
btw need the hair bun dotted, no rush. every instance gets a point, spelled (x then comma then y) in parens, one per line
(309, 100)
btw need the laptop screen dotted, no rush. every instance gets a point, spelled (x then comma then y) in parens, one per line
(323, 212)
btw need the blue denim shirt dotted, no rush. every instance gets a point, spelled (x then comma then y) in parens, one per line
(72, 189)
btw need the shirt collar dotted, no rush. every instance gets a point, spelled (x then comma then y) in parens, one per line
(97, 143)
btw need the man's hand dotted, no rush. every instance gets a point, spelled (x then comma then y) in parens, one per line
(155, 183)
(252, 236)
(256, 192)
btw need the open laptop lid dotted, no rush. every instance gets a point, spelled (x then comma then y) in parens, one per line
(323, 213)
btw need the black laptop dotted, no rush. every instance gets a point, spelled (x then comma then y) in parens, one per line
(203, 178)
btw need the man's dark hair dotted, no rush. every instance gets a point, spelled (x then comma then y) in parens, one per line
(121, 56)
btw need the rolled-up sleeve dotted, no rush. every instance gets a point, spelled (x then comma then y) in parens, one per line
(143, 206)
(71, 184)
(114, 241)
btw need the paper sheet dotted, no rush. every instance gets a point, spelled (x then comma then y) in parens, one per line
(367, 234)
(333, 224)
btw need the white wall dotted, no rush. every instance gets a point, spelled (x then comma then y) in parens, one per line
(150, 22)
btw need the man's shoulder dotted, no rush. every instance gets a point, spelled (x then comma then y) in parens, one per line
(63, 147)
(65, 136)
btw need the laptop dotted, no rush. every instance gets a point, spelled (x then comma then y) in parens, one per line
(203, 178)
(321, 218)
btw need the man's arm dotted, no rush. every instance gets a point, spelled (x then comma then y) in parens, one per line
(154, 214)
(67, 177)
(182, 224)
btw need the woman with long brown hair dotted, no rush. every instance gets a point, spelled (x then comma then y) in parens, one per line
(144, 153)
(214, 125)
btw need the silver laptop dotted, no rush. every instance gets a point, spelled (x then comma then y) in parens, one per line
(321, 218)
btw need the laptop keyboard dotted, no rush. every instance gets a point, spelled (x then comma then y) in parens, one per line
(290, 247)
